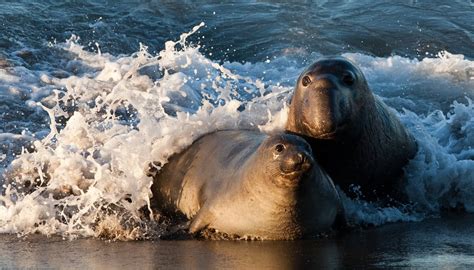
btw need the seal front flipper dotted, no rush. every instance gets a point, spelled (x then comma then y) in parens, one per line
(201, 220)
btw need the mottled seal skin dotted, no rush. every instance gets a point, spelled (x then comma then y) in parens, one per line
(355, 137)
(248, 185)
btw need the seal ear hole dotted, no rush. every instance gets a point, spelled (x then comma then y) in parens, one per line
(279, 148)
(348, 78)
(306, 80)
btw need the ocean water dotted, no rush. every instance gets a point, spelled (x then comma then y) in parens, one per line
(91, 92)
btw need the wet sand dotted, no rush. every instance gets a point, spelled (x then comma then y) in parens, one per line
(446, 242)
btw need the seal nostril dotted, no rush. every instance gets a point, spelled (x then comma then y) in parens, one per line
(306, 80)
(301, 158)
(348, 79)
(279, 148)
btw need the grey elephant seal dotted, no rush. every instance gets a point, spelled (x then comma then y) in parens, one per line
(353, 134)
(248, 185)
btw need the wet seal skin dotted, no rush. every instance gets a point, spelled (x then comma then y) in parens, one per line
(247, 185)
(355, 137)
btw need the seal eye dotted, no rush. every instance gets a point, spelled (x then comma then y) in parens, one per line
(306, 80)
(279, 148)
(348, 78)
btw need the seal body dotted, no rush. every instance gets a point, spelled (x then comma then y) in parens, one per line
(355, 137)
(248, 184)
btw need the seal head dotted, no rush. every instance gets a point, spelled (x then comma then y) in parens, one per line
(329, 95)
(290, 157)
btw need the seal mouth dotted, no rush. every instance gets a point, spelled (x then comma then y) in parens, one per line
(298, 168)
(291, 174)
(332, 134)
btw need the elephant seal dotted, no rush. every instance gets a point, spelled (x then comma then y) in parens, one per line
(248, 185)
(355, 137)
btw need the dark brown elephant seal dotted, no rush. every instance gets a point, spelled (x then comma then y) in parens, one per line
(247, 184)
(354, 136)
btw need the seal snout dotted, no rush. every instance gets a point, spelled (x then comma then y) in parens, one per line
(291, 154)
(325, 106)
(296, 163)
(301, 162)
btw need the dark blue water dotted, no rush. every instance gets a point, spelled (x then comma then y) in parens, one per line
(243, 30)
